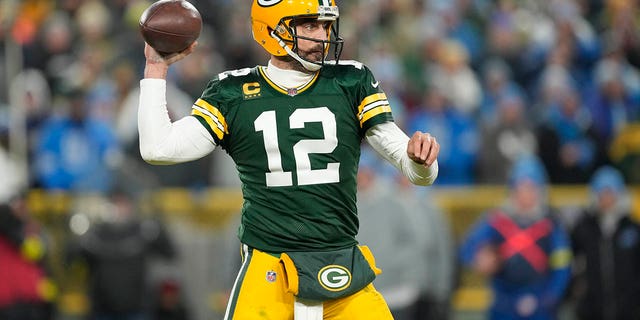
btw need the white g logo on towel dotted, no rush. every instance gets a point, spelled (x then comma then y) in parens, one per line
(334, 277)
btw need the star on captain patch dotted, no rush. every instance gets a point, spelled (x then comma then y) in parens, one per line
(271, 276)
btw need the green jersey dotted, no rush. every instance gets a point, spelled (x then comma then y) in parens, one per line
(296, 151)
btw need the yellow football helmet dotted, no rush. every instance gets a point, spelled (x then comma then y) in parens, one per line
(272, 24)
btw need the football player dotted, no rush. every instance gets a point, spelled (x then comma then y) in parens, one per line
(293, 129)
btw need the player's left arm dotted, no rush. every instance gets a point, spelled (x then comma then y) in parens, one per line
(415, 157)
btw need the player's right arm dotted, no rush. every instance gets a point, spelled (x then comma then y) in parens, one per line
(163, 141)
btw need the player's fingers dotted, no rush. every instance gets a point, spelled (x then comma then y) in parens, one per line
(411, 147)
(170, 59)
(416, 144)
(433, 153)
(189, 49)
(426, 145)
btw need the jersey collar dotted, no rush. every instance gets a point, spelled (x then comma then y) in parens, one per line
(271, 74)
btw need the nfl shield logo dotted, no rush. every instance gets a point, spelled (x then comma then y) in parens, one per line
(271, 276)
(292, 91)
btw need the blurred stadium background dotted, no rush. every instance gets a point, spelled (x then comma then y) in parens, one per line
(490, 79)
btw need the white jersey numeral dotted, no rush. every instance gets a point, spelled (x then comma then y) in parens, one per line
(234, 73)
(277, 177)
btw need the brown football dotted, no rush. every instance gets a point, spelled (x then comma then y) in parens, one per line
(170, 26)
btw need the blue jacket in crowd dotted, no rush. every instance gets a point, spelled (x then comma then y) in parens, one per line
(535, 263)
(76, 155)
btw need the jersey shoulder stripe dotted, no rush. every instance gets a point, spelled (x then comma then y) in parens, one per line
(214, 119)
(223, 92)
(373, 105)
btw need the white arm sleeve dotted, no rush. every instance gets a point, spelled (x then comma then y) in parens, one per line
(391, 143)
(164, 142)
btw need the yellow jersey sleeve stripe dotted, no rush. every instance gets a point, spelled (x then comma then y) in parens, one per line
(213, 118)
(560, 259)
(214, 112)
(374, 112)
(372, 106)
(370, 99)
(213, 126)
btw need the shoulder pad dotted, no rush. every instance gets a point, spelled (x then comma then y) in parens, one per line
(227, 85)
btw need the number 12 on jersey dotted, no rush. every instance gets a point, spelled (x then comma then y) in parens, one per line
(277, 177)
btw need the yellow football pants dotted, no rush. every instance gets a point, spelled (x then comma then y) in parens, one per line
(260, 293)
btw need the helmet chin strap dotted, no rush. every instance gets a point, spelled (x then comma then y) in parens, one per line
(313, 67)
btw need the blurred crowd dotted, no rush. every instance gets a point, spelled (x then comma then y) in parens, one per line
(557, 81)
(492, 80)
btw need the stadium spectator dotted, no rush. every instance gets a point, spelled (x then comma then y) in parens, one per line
(26, 291)
(437, 277)
(195, 174)
(117, 251)
(434, 274)
(606, 245)
(613, 57)
(561, 39)
(618, 19)
(522, 249)
(12, 171)
(395, 231)
(568, 144)
(504, 40)
(612, 104)
(388, 227)
(505, 140)
(625, 152)
(561, 74)
(76, 152)
(52, 52)
(457, 27)
(454, 78)
(29, 92)
(498, 83)
(170, 304)
(457, 129)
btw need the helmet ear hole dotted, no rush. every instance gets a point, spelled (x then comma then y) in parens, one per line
(280, 30)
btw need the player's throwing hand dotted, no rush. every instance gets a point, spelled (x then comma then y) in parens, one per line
(154, 57)
(157, 65)
(423, 148)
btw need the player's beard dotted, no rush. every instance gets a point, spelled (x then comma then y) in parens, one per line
(315, 55)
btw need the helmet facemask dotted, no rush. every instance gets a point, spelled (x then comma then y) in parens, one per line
(288, 38)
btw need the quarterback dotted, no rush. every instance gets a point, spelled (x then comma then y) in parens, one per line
(294, 129)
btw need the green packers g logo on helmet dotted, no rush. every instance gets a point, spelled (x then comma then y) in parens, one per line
(334, 277)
